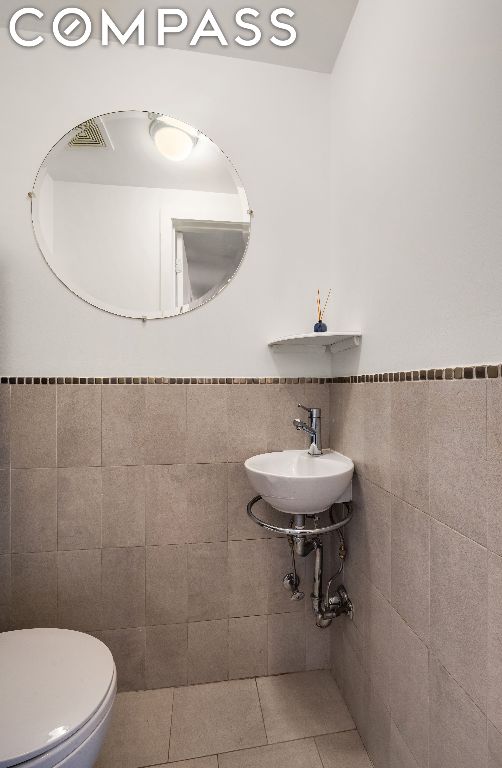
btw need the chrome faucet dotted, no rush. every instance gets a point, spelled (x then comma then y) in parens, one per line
(313, 428)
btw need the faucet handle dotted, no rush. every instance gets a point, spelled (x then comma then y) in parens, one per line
(314, 413)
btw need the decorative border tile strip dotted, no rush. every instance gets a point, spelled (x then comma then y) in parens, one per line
(433, 374)
(157, 380)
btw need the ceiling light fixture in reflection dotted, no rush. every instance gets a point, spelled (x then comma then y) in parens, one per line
(172, 142)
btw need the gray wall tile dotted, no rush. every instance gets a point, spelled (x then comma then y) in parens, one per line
(34, 590)
(166, 504)
(286, 643)
(165, 424)
(459, 609)
(207, 651)
(494, 747)
(493, 500)
(457, 418)
(248, 417)
(457, 493)
(377, 730)
(33, 426)
(494, 709)
(207, 423)
(123, 506)
(79, 425)
(247, 647)
(375, 465)
(457, 726)
(128, 650)
(377, 652)
(79, 507)
(248, 584)
(438, 431)
(208, 581)
(494, 419)
(123, 587)
(79, 589)
(34, 510)
(166, 656)
(207, 518)
(409, 443)
(409, 690)
(410, 566)
(337, 411)
(123, 414)
(400, 755)
(5, 580)
(166, 584)
(5, 426)
(5, 522)
(371, 530)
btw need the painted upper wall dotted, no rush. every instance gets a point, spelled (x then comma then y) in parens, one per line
(260, 115)
(416, 169)
(321, 27)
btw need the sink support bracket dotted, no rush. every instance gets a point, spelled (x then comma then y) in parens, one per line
(302, 532)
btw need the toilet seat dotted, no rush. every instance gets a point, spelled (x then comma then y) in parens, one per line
(57, 689)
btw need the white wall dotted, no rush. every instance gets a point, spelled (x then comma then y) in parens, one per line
(259, 114)
(416, 170)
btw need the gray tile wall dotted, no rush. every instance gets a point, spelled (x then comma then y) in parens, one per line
(122, 514)
(421, 664)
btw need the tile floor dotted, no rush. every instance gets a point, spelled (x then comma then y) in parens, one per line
(289, 721)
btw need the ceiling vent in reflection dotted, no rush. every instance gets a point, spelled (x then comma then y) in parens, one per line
(90, 134)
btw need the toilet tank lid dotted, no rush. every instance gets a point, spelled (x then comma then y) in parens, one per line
(51, 682)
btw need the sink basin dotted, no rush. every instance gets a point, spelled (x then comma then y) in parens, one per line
(300, 484)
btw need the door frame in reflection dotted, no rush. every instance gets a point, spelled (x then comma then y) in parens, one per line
(178, 267)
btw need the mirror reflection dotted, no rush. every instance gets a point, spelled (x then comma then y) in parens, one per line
(140, 214)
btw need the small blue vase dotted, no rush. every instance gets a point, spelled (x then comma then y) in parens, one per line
(320, 327)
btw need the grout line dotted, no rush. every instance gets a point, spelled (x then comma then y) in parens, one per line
(427, 514)
(314, 738)
(261, 709)
(171, 726)
(262, 746)
(243, 749)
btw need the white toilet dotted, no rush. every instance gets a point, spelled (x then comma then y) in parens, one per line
(57, 689)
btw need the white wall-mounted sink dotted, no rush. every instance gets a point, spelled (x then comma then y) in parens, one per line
(300, 484)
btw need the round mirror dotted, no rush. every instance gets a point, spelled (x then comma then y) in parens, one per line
(140, 214)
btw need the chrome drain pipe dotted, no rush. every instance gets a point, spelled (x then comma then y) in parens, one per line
(303, 541)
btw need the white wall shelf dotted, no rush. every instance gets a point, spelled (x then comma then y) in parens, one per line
(335, 342)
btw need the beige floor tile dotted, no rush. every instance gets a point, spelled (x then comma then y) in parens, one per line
(216, 717)
(198, 762)
(139, 734)
(343, 750)
(292, 754)
(302, 704)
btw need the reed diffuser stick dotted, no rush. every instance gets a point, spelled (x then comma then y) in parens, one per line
(325, 305)
(318, 306)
